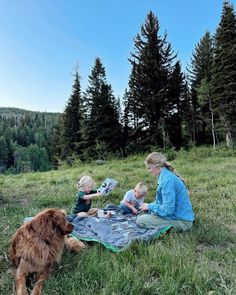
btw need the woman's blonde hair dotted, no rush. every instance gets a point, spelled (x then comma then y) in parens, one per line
(158, 160)
(85, 181)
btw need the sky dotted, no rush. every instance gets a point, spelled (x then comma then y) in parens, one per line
(43, 41)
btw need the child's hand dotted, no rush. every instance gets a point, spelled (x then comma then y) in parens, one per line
(99, 194)
(135, 211)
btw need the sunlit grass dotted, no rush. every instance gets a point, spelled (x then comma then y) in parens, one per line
(201, 261)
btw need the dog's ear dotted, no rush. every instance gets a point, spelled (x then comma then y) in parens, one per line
(62, 224)
(51, 220)
(42, 222)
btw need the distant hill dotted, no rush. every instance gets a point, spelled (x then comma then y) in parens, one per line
(46, 118)
(26, 140)
(15, 112)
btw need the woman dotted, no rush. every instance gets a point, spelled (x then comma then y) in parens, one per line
(172, 205)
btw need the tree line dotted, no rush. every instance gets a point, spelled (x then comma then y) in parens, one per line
(25, 140)
(162, 106)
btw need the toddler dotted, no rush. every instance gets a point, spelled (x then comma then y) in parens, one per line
(85, 194)
(133, 199)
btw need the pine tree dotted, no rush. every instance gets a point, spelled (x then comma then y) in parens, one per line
(55, 143)
(3, 154)
(151, 65)
(201, 69)
(173, 107)
(72, 118)
(187, 112)
(224, 73)
(126, 122)
(205, 101)
(101, 129)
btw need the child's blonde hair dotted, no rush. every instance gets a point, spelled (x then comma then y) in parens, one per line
(142, 188)
(85, 181)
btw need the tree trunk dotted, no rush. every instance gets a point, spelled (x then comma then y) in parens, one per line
(228, 139)
(228, 136)
(212, 125)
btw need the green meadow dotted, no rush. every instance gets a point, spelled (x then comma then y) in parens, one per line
(202, 261)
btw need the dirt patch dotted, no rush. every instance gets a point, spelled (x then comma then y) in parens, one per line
(203, 246)
(232, 228)
(23, 201)
(3, 201)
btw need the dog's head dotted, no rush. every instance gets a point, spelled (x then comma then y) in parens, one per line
(50, 220)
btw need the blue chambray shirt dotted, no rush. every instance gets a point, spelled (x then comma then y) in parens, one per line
(172, 198)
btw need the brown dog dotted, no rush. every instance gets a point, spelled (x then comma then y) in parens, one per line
(38, 244)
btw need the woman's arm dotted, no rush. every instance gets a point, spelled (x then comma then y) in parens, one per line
(168, 196)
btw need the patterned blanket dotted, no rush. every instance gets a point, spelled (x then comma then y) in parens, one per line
(115, 233)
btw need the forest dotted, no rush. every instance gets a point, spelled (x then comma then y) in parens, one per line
(163, 107)
(25, 140)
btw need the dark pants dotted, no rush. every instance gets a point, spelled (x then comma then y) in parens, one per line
(125, 209)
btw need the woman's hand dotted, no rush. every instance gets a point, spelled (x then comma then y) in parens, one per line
(144, 207)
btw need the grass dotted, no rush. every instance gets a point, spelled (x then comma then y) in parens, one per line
(201, 261)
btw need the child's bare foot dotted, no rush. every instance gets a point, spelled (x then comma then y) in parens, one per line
(108, 215)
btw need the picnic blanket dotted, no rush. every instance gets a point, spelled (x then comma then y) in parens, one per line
(115, 233)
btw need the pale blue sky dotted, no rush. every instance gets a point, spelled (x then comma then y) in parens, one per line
(43, 40)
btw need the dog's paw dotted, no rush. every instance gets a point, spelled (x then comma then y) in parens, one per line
(74, 245)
